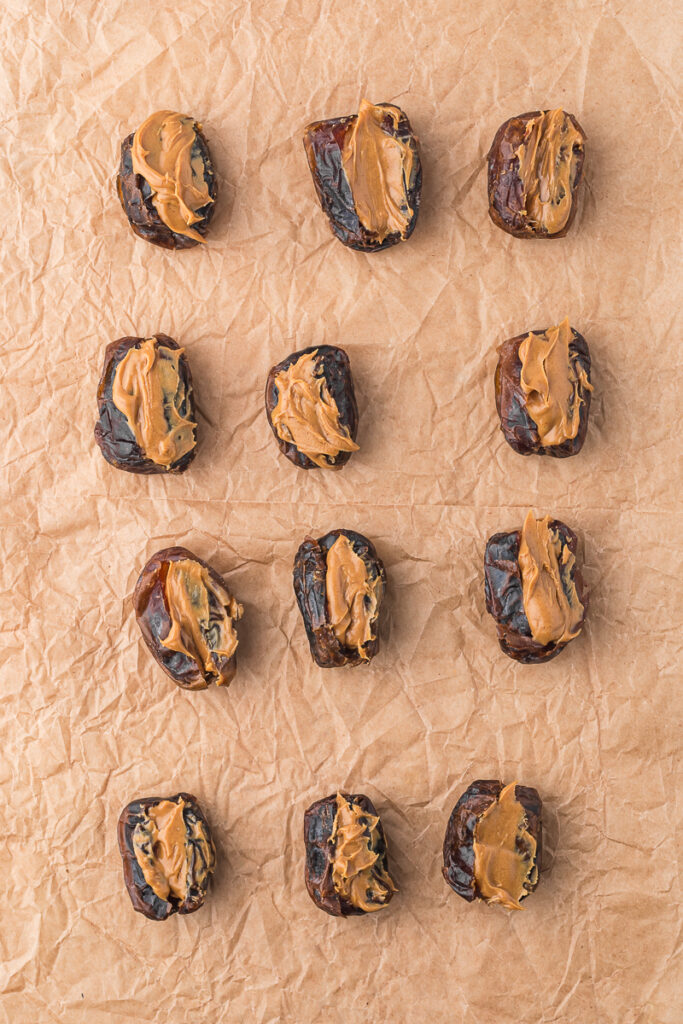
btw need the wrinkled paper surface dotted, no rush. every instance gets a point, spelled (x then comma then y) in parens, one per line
(89, 722)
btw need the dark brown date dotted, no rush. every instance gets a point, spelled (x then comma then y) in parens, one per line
(458, 847)
(504, 600)
(332, 364)
(324, 142)
(320, 853)
(519, 429)
(135, 196)
(310, 576)
(161, 890)
(154, 612)
(112, 431)
(506, 194)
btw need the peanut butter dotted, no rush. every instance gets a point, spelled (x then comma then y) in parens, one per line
(357, 874)
(162, 154)
(306, 414)
(200, 627)
(352, 598)
(174, 853)
(378, 168)
(148, 390)
(552, 380)
(551, 603)
(504, 851)
(547, 167)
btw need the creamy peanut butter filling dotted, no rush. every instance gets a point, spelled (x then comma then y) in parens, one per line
(162, 154)
(200, 627)
(173, 854)
(352, 598)
(148, 390)
(552, 380)
(547, 167)
(357, 874)
(378, 168)
(306, 414)
(551, 603)
(504, 851)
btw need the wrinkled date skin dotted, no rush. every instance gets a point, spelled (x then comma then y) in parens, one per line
(504, 601)
(519, 430)
(310, 570)
(318, 823)
(135, 196)
(151, 612)
(112, 433)
(505, 188)
(336, 369)
(324, 144)
(458, 846)
(142, 896)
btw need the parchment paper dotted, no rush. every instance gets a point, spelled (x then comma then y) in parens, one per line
(90, 722)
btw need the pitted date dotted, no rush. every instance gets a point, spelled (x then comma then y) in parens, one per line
(517, 426)
(332, 365)
(204, 651)
(320, 848)
(135, 196)
(458, 847)
(504, 596)
(508, 199)
(326, 143)
(113, 432)
(168, 855)
(310, 587)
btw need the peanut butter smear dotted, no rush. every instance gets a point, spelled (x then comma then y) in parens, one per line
(162, 155)
(504, 851)
(547, 167)
(552, 380)
(200, 626)
(378, 168)
(173, 855)
(356, 874)
(352, 598)
(551, 602)
(148, 391)
(306, 414)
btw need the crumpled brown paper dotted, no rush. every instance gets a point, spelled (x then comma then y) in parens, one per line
(90, 722)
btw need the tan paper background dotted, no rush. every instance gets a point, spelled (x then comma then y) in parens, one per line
(88, 720)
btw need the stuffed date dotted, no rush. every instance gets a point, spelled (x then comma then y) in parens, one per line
(166, 182)
(367, 173)
(347, 870)
(493, 844)
(187, 618)
(534, 589)
(146, 414)
(339, 582)
(543, 391)
(168, 855)
(535, 167)
(311, 407)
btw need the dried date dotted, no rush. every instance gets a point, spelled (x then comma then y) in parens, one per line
(347, 870)
(535, 169)
(168, 855)
(147, 204)
(367, 173)
(311, 407)
(139, 446)
(465, 871)
(187, 618)
(339, 582)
